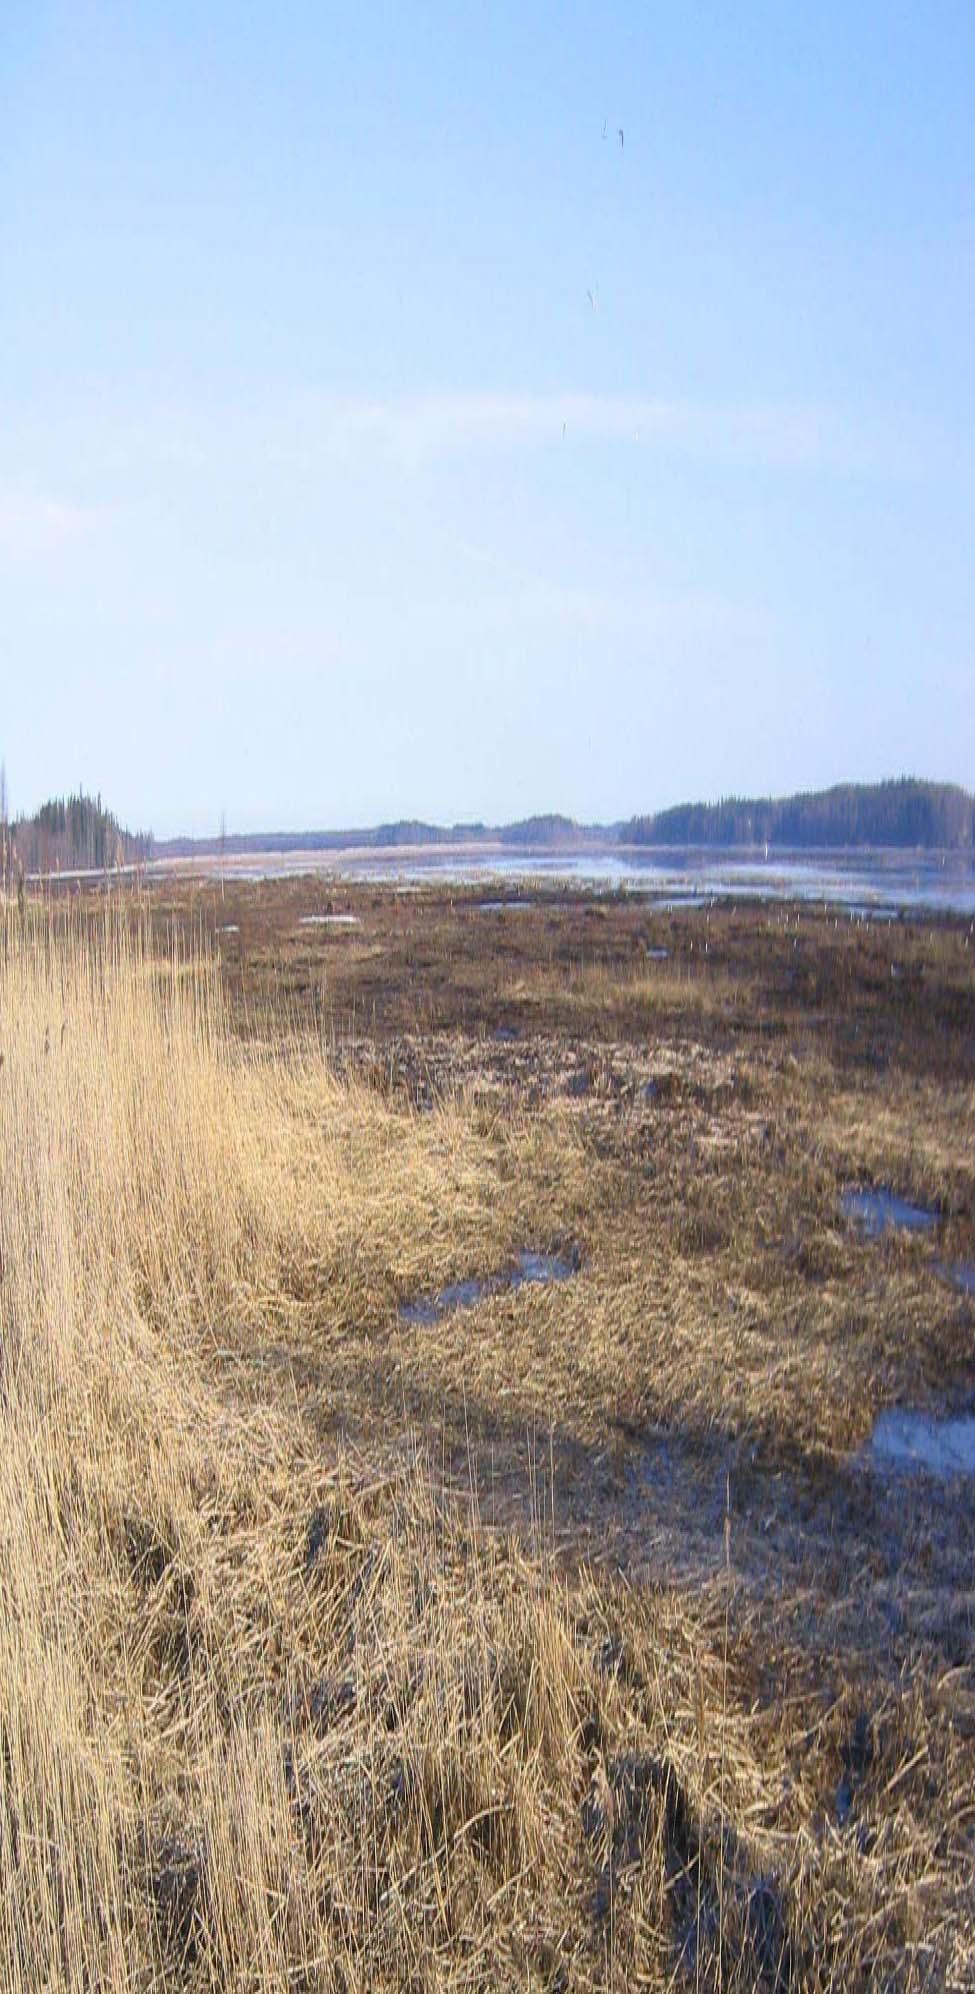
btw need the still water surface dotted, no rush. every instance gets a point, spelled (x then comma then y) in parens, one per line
(866, 885)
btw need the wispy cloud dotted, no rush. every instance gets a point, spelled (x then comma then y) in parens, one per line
(410, 433)
(33, 525)
(415, 430)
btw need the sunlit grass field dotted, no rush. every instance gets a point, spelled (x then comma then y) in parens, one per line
(286, 1699)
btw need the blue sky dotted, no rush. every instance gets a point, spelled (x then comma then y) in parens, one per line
(327, 496)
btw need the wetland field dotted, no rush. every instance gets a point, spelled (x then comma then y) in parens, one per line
(487, 1382)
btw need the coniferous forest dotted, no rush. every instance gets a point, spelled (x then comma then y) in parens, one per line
(72, 833)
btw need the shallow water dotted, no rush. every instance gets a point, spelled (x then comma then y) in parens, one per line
(919, 1440)
(529, 1269)
(874, 1212)
(658, 955)
(959, 1274)
(329, 921)
(866, 884)
(869, 883)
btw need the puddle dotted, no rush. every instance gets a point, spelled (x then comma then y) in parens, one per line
(505, 1034)
(228, 928)
(545, 1267)
(528, 1269)
(459, 1295)
(329, 921)
(658, 955)
(502, 906)
(875, 1212)
(919, 1440)
(959, 1274)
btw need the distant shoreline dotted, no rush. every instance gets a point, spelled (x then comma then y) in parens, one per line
(904, 814)
(348, 861)
(75, 835)
(207, 858)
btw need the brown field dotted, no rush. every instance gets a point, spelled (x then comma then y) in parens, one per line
(563, 1641)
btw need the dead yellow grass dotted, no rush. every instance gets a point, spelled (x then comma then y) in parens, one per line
(267, 1722)
(594, 990)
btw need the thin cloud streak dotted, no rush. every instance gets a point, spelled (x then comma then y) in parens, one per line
(417, 430)
(412, 433)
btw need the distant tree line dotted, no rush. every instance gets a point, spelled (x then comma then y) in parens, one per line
(549, 832)
(904, 812)
(530, 833)
(72, 834)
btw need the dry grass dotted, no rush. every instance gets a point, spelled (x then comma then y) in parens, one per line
(594, 990)
(274, 1720)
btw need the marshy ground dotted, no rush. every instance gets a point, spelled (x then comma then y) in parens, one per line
(566, 1634)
